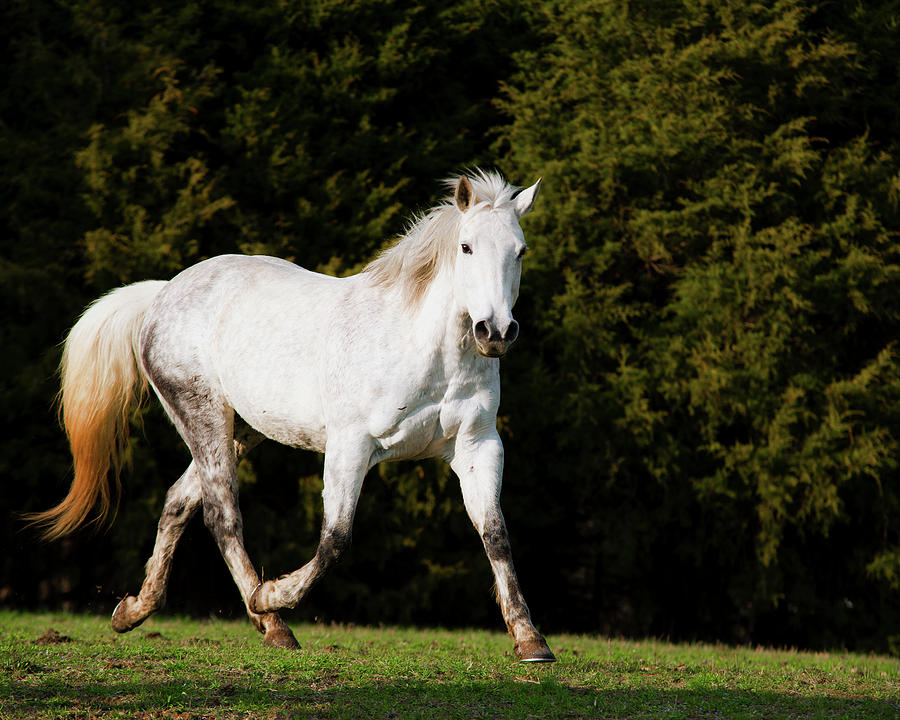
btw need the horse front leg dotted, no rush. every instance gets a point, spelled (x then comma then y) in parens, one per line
(346, 465)
(479, 466)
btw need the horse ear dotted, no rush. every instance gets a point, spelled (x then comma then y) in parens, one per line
(525, 199)
(465, 196)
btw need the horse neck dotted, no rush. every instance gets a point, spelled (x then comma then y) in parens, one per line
(441, 322)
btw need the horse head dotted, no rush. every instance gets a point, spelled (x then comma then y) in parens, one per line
(488, 263)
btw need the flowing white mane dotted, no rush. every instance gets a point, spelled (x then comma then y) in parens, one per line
(429, 243)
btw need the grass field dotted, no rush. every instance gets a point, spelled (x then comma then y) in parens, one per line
(74, 666)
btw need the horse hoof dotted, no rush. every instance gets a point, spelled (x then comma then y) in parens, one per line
(534, 651)
(121, 621)
(281, 637)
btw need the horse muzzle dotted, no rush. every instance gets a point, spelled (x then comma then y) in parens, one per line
(490, 341)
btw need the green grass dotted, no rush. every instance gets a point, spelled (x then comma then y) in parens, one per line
(184, 669)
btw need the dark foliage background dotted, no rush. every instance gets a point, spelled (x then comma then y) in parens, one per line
(701, 418)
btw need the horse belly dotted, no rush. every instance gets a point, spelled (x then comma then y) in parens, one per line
(269, 359)
(276, 394)
(292, 423)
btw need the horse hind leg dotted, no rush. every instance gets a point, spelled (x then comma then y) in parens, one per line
(182, 502)
(207, 425)
(222, 516)
(212, 444)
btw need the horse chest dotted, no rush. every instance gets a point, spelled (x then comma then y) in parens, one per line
(428, 426)
(411, 433)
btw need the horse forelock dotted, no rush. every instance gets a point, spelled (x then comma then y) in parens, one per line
(490, 188)
(427, 247)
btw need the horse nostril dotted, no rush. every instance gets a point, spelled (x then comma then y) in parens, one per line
(512, 332)
(482, 331)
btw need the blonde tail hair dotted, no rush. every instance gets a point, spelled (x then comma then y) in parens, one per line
(102, 384)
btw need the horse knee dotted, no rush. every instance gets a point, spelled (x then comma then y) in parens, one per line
(496, 543)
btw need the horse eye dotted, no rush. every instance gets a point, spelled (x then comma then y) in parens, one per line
(467, 250)
(521, 253)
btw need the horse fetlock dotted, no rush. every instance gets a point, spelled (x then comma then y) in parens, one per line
(255, 601)
(266, 598)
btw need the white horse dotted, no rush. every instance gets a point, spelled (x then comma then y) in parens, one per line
(400, 361)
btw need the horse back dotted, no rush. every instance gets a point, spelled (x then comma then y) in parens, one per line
(243, 330)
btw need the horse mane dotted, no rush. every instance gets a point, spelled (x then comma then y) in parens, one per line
(427, 247)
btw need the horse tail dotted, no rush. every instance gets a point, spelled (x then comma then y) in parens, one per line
(102, 385)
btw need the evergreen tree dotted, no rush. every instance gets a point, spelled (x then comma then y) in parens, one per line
(715, 283)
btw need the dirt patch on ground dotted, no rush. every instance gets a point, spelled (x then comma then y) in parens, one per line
(52, 637)
(199, 641)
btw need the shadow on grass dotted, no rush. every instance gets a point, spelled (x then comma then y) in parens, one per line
(286, 698)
